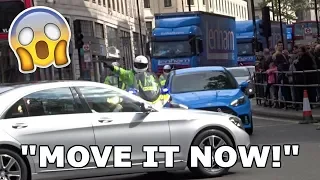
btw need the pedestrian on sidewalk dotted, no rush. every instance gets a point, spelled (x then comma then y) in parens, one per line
(292, 81)
(271, 72)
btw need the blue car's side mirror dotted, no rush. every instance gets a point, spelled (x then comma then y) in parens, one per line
(164, 90)
(244, 85)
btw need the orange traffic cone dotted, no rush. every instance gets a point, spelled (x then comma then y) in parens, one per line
(307, 113)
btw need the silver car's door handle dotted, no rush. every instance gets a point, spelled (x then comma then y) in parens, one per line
(19, 125)
(105, 120)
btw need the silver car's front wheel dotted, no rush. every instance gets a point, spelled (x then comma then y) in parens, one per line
(12, 166)
(215, 139)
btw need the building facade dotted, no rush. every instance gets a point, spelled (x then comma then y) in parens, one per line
(310, 13)
(111, 33)
(234, 8)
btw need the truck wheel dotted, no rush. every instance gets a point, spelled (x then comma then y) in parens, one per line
(12, 166)
(216, 139)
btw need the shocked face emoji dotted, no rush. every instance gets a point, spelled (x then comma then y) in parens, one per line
(40, 37)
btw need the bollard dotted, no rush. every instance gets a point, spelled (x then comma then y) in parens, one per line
(307, 114)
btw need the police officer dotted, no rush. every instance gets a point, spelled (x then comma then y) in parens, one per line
(115, 80)
(164, 75)
(140, 65)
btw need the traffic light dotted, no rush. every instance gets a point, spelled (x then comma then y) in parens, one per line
(266, 21)
(78, 36)
(260, 28)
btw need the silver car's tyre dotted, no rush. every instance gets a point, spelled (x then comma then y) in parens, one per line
(12, 166)
(216, 139)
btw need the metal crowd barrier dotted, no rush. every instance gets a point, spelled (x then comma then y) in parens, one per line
(301, 80)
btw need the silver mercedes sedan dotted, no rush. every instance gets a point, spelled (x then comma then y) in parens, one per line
(73, 113)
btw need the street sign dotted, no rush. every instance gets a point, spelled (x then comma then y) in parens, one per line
(308, 31)
(87, 57)
(86, 47)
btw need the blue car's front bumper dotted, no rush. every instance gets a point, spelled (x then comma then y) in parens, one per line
(242, 111)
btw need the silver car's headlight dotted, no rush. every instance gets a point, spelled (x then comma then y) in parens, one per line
(238, 102)
(237, 121)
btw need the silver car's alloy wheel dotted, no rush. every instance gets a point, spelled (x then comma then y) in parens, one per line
(9, 168)
(215, 142)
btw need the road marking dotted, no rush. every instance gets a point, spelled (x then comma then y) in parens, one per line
(261, 126)
(276, 119)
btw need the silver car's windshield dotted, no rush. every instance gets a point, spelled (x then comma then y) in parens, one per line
(203, 81)
(239, 72)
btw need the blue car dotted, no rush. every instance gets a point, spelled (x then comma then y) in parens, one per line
(211, 88)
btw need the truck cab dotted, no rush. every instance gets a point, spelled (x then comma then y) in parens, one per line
(192, 39)
(245, 39)
(176, 41)
(245, 42)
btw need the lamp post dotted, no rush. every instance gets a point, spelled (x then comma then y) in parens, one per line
(139, 19)
(254, 26)
(317, 19)
(280, 19)
(272, 7)
(189, 5)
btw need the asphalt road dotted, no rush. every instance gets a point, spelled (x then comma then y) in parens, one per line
(306, 166)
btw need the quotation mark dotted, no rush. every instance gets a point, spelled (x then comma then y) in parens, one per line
(29, 150)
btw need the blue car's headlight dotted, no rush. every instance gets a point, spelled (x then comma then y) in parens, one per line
(238, 102)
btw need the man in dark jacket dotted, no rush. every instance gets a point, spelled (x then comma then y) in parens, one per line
(305, 63)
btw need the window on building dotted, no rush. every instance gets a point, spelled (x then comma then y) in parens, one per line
(167, 3)
(118, 6)
(146, 3)
(127, 49)
(99, 30)
(210, 3)
(122, 7)
(104, 3)
(86, 27)
(113, 5)
(191, 2)
(129, 5)
(218, 5)
(112, 36)
(135, 12)
(109, 4)
(126, 8)
(149, 28)
(228, 7)
(136, 44)
(237, 14)
(99, 2)
(93, 1)
(204, 2)
(231, 8)
(242, 12)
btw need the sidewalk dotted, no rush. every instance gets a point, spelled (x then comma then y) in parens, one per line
(289, 114)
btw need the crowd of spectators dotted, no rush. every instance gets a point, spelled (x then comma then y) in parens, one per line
(279, 71)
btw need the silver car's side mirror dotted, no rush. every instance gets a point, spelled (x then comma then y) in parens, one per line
(146, 108)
